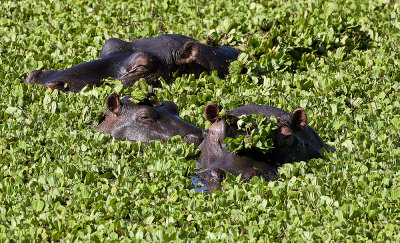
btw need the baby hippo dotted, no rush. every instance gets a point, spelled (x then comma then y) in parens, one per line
(165, 56)
(147, 121)
(293, 141)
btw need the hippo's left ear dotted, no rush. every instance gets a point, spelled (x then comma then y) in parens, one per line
(187, 54)
(113, 103)
(299, 118)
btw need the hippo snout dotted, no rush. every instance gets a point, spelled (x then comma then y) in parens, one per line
(47, 79)
(196, 139)
(33, 76)
(192, 138)
(40, 77)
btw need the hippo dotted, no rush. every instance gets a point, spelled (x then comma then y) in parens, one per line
(293, 140)
(165, 56)
(146, 121)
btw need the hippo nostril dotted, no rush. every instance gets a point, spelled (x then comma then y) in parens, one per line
(32, 77)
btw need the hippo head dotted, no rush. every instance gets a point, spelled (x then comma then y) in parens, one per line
(146, 122)
(164, 56)
(293, 140)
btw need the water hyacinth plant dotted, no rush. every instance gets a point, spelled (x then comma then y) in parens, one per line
(258, 133)
(143, 94)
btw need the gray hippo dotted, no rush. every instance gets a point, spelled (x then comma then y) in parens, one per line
(293, 141)
(146, 121)
(165, 56)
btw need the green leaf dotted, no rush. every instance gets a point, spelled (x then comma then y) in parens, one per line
(37, 205)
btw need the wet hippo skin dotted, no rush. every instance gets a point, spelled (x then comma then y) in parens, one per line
(165, 56)
(294, 140)
(146, 122)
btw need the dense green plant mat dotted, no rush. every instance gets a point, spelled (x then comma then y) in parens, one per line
(62, 180)
(258, 133)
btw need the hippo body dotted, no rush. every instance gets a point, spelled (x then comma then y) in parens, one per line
(164, 56)
(293, 140)
(145, 122)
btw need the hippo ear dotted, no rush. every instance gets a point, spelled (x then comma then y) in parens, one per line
(211, 112)
(188, 53)
(299, 118)
(113, 103)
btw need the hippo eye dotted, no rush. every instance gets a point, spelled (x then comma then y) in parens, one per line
(147, 116)
(141, 69)
(140, 64)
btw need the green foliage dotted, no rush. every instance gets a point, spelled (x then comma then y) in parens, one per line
(142, 94)
(141, 91)
(258, 133)
(63, 180)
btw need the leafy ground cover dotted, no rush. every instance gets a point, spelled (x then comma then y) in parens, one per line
(62, 180)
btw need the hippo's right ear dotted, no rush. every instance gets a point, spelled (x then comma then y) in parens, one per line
(187, 54)
(113, 103)
(211, 112)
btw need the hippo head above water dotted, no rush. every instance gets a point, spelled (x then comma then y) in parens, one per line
(164, 56)
(293, 141)
(146, 122)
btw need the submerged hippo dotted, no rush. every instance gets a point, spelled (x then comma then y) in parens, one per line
(293, 141)
(164, 56)
(146, 122)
